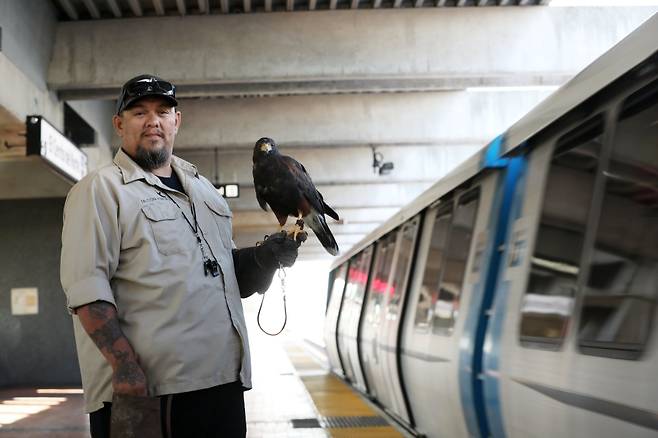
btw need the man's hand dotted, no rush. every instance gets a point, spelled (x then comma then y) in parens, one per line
(99, 319)
(277, 249)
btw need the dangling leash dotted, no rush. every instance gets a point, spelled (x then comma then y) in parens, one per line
(282, 277)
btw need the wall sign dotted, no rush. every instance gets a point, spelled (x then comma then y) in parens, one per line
(58, 151)
(25, 301)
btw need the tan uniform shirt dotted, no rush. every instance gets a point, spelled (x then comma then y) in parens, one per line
(125, 242)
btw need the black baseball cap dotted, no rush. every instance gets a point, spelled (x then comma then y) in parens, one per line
(142, 86)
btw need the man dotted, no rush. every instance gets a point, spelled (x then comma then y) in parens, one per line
(153, 281)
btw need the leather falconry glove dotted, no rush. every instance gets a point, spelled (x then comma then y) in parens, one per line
(277, 249)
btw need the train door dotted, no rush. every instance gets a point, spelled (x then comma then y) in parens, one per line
(332, 317)
(372, 319)
(396, 294)
(348, 323)
(450, 266)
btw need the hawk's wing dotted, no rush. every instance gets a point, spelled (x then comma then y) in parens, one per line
(305, 184)
(259, 197)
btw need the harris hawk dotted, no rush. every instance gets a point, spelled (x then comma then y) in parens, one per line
(283, 183)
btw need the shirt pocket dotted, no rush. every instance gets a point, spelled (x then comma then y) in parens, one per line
(222, 217)
(166, 225)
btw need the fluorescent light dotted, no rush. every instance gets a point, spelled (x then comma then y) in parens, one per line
(228, 190)
(232, 191)
(489, 89)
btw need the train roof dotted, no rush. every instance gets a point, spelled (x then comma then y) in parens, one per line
(628, 53)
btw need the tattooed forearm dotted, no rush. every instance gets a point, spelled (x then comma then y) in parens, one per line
(106, 336)
(101, 310)
(129, 373)
(100, 321)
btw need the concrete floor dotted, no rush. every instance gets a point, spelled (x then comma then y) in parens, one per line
(286, 388)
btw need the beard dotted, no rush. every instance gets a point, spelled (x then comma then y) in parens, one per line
(151, 159)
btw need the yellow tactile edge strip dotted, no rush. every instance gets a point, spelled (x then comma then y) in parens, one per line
(332, 397)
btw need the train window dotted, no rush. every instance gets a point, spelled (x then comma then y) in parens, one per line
(446, 307)
(401, 270)
(547, 303)
(358, 276)
(620, 292)
(379, 285)
(336, 290)
(429, 290)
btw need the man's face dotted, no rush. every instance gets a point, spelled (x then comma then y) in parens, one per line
(147, 130)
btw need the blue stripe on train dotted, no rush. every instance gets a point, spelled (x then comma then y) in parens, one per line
(492, 356)
(475, 328)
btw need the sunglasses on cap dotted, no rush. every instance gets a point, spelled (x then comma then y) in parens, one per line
(143, 86)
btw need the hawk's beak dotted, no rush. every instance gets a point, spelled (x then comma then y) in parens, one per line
(266, 147)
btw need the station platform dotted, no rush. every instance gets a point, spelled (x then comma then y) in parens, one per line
(293, 396)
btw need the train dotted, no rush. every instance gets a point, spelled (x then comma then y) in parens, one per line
(517, 295)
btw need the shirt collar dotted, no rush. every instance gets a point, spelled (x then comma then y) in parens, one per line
(131, 171)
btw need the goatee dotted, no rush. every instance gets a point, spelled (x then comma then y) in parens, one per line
(151, 159)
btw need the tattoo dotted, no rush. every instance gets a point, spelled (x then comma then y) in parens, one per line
(101, 323)
(109, 332)
(100, 310)
(105, 337)
(130, 373)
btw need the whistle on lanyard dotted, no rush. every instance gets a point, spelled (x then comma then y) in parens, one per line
(211, 267)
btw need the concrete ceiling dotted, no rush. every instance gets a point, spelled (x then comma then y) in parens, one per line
(423, 88)
(103, 9)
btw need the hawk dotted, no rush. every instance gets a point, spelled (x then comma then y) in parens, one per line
(283, 183)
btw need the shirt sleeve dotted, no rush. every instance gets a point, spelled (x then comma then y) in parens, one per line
(90, 243)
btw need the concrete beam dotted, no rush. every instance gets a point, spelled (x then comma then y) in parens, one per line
(159, 7)
(411, 49)
(19, 100)
(257, 218)
(312, 244)
(433, 118)
(336, 228)
(182, 9)
(342, 167)
(69, 9)
(114, 6)
(24, 177)
(393, 195)
(136, 7)
(92, 8)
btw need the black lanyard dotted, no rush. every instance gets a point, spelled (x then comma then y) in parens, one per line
(209, 265)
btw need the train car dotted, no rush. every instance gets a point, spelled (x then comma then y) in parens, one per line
(517, 296)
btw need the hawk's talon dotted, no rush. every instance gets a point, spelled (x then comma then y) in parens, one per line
(300, 236)
(296, 229)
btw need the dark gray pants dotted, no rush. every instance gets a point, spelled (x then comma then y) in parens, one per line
(213, 412)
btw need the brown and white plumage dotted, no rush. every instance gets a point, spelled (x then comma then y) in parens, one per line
(283, 183)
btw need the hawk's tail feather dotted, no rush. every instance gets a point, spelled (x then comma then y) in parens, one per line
(322, 231)
(330, 211)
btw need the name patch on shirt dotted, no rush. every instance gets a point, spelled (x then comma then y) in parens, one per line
(152, 199)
